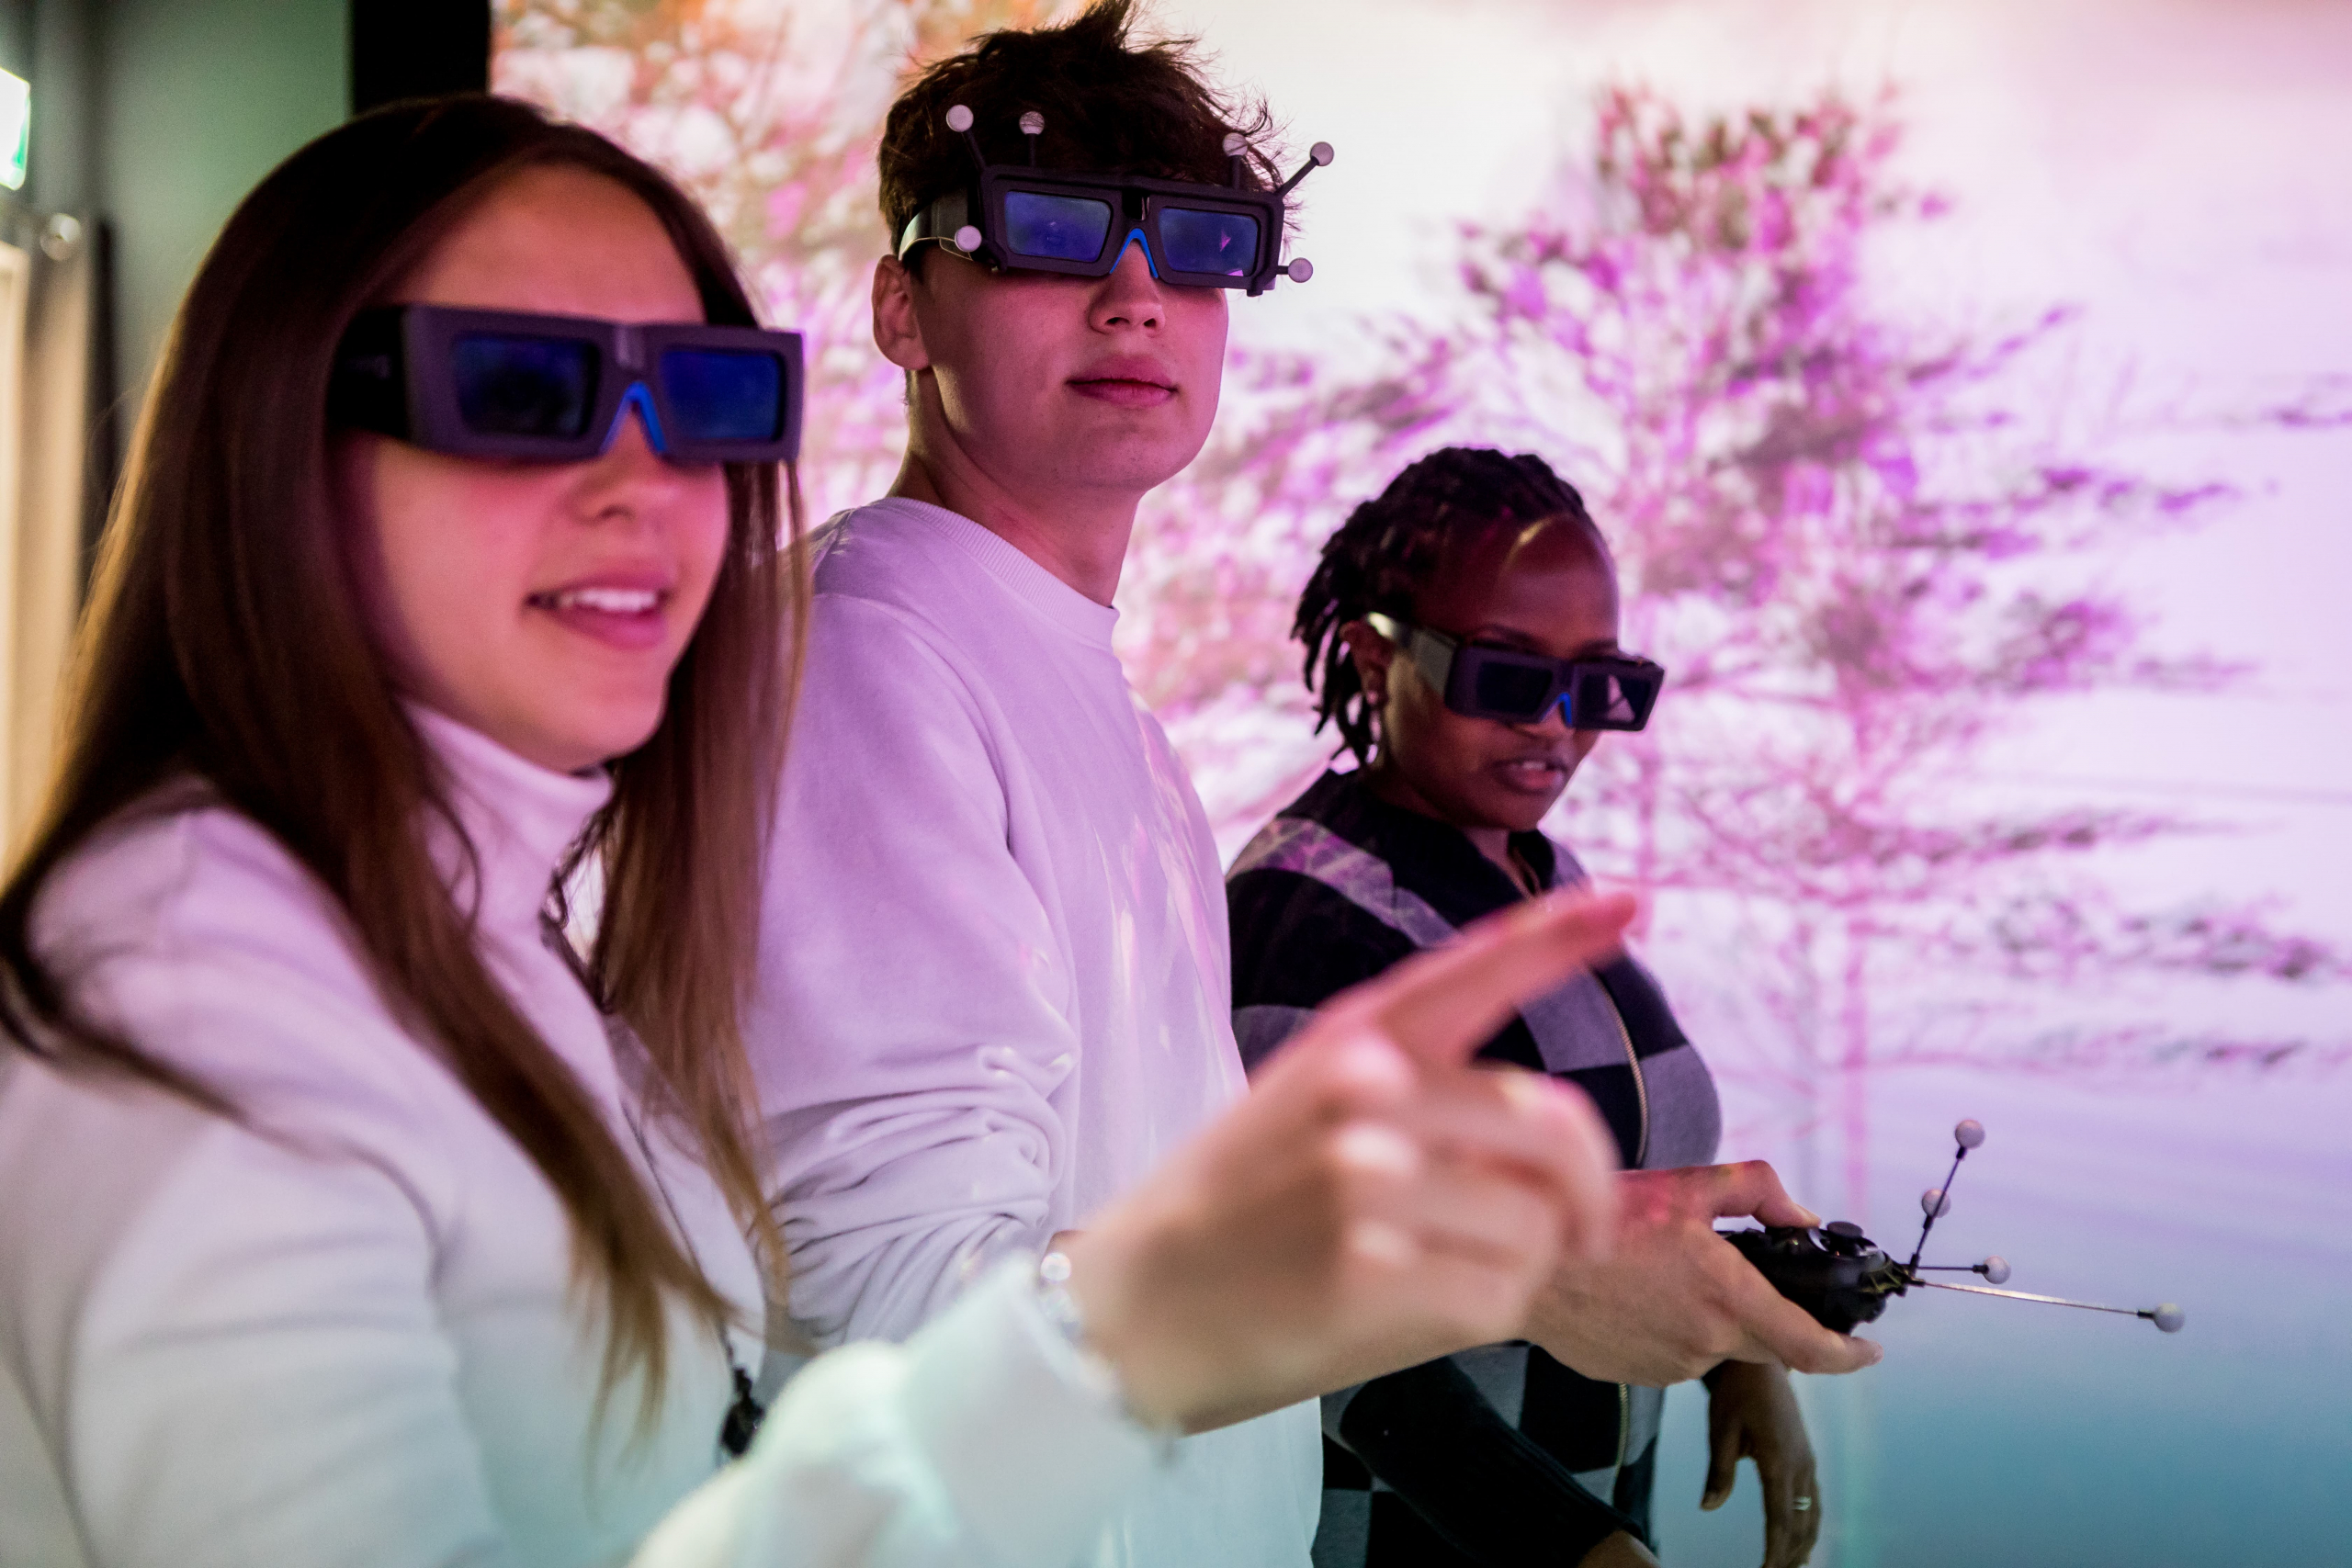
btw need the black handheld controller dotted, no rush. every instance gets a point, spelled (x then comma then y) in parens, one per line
(1836, 1273)
(1843, 1278)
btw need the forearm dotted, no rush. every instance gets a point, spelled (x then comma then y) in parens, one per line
(886, 1282)
(985, 1438)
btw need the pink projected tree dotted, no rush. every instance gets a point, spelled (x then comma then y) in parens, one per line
(1860, 562)
(1837, 530)
(1859, 558)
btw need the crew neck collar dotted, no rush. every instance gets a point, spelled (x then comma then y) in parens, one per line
(1011, 568)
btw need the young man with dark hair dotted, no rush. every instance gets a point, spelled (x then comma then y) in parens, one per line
(995, 985)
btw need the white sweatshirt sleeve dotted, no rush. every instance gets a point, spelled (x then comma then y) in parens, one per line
(985, 1441)
(912, 1024)
(247, 1367)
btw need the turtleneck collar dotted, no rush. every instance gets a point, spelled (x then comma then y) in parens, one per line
(520, 818)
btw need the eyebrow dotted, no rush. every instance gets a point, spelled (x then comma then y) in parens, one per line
(1520, 642)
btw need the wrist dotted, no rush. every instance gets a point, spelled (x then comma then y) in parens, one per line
(1088, 1319)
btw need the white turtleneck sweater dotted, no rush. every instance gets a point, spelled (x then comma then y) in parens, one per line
(994, 984)
(348, 1331)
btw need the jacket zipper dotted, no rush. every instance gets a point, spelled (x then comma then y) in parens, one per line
(1641, 1085)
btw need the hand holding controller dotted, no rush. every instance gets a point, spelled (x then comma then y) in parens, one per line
(1842, 1278)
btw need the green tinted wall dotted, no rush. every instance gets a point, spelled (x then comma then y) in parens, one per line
(199, 99)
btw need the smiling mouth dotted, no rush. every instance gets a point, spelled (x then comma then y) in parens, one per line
(604, 601)
(1532, 772)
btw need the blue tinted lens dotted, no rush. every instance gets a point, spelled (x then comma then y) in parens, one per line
(1502, 686)
(721, 394)
(1197, 241)
(1055, 228)
(523, 386)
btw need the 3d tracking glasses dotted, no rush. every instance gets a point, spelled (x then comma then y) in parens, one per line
(554, 389)
(1606, 692)
(1034, 220)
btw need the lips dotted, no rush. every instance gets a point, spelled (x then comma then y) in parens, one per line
(1537, 775)
(1126, 382)
(625, 613)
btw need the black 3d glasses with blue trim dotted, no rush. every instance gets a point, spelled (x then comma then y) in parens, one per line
(505, 384)
(1028, 218)
(1602, 691)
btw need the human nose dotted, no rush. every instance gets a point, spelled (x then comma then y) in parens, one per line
(1553, 722)
(1130, 297)
(628, 477)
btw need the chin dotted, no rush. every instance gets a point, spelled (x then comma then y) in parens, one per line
(1518, 813)
(1140, 462)
(609, 736)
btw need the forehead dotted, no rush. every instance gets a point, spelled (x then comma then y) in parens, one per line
(559, 241)
(1553, 577)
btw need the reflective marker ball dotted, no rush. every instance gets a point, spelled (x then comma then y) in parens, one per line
(1995, 1269)
(1970, 1133)
(2169, 1318)
(959, 118)
(1934, 1205)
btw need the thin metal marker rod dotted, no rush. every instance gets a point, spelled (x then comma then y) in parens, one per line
(1943, 1196)
(1948, 1268)
(2148, 1313)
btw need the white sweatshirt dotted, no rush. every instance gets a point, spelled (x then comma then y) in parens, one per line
(349, 1333)
(995, 988)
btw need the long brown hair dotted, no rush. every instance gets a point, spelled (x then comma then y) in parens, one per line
(226, 641)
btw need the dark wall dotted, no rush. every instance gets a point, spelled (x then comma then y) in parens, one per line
(152, 117)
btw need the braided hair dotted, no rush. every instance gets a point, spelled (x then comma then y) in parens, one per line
(1393, 544)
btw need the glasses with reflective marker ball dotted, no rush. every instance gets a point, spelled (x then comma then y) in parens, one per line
(1079, 223)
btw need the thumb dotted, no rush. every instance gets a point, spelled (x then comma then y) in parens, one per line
(1722, 1464)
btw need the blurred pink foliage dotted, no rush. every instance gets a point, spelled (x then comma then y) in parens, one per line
(1838, 530)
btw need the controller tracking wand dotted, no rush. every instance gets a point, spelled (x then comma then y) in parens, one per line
(1843, 1279)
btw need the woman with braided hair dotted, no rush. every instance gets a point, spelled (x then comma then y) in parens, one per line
(1461, 636)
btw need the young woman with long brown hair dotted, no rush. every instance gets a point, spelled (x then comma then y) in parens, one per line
(352, 1215)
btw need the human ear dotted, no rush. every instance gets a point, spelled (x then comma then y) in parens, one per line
(1372, 654)
(897, 329)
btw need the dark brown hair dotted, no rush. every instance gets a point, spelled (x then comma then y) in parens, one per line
(1111, 105)
(225, 641)
(1393, 544)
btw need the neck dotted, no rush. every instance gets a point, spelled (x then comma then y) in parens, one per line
(1386, 784)
(1079, 534)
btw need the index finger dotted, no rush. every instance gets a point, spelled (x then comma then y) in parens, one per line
(1752, 1187)
(1788, 1333)
(1439, 1005)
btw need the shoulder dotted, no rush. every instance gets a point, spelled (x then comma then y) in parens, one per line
(178, 874)
(190, 930)
(1311, 913)
(893, 553)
